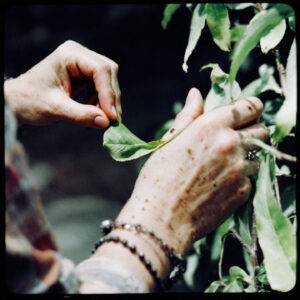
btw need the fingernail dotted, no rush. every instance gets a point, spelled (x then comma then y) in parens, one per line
(119, 110)
(114, 111)
(100, 121)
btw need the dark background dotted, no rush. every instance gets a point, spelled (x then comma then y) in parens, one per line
(79, 182)
(151, 79)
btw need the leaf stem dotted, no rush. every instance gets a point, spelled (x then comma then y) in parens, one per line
(259, 7)
(238, 237)
(278, 154)
(221, 261)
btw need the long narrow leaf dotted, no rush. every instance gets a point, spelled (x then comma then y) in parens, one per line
(286, 117)
(169, 11)
(219, 24)
(261, 26)
(197, 24)
(275, 232)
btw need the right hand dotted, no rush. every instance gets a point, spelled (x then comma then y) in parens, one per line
(43, 95)
(193, 183)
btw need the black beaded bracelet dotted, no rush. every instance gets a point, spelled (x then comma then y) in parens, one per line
(178, 264)
(160, 284)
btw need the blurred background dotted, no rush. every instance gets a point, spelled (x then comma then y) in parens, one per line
(80, 184)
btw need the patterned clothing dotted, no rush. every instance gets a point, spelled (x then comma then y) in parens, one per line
(33, 264)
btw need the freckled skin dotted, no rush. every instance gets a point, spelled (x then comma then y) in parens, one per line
(203, 177)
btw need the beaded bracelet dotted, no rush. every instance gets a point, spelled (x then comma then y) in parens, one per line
(161, 284)
(178, 264)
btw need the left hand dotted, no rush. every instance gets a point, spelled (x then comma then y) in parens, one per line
(42, 95)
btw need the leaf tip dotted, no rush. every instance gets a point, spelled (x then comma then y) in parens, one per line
(185, 67)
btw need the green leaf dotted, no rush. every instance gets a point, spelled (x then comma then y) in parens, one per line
(213, 287)
(250, 289)
(239, 6)
(270, 109)
(273, 38)
(285, 119)
(215, 99)
(233, 287)
(221, 93)
(123, 145)
(242, 223)
(260, 26)
(199, 245)
(266, 82)
(218, 235)
(284, 170)
(275, 232)
(219, 24)
(261, 275)
(292, 22)
(236, 273)
(192, 265)
(197, 24)
(237, 32)
(217, 75)
(170, 9)
(288, 200)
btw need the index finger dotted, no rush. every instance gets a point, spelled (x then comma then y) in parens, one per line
(99, 68)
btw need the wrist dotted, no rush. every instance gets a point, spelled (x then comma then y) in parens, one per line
(12, 94)
(131, 262)
(176, 231)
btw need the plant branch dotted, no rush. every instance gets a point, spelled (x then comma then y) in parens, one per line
(278, 154)
(238, 237)
(221, 261)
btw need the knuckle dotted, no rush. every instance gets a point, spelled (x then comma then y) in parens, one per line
(104, 67)
(238, 166)
(108, 92)
(118, 94)
(115, 67)
(69, 44)
(65, 48)
(227, 143)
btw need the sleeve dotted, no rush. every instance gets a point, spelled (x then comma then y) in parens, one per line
(33, 263)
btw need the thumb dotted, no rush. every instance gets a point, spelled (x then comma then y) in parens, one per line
(82, 114)
(192, 109)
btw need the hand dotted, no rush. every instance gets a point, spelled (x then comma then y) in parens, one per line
(200, 178)
(43, 94)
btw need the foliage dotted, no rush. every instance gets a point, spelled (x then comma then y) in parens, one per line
(267, 222)
(265, 227)
(123, 145)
